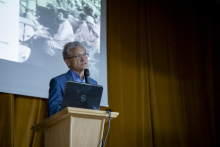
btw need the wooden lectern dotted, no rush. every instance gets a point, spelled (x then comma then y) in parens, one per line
(74, 127)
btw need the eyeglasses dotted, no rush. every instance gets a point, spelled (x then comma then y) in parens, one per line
(79, 56)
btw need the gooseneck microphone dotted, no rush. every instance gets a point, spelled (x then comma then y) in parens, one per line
(86, 74)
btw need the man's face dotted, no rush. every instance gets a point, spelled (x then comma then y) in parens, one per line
(89, 25)
(77, 64)
(97, 19)
(59, 15)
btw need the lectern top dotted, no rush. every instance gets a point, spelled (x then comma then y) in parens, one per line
(74, 112)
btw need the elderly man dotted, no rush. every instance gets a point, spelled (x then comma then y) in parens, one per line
(85, 35)
(65, 34)
(76, 59)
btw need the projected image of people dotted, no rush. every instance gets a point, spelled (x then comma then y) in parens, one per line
(45, 26)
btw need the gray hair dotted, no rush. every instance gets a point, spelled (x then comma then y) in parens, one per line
(68, 47)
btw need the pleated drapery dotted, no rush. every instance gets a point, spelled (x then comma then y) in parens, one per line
(163, 78)
(18, 115)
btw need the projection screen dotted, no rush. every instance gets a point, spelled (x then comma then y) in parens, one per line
(32, 35)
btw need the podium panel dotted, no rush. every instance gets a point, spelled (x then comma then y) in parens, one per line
(74, 127)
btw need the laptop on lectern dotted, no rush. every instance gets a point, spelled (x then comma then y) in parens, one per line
(82, 95)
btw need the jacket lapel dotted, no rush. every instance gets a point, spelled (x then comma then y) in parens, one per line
(69, 76)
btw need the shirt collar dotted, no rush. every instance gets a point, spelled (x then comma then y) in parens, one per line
(76, 77)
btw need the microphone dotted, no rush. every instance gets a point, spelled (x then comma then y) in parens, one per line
(86, 74)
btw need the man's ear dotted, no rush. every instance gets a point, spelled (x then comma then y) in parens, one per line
(67, 62)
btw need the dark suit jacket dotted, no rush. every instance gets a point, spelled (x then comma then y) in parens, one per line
(57, 86)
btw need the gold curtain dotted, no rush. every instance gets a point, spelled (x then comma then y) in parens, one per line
(163, 77)
(18, 114)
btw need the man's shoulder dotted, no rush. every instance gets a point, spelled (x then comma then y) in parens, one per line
(92, 81)
(60, 77)
(82, 27)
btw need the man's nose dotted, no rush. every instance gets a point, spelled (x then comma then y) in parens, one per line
(83, 58)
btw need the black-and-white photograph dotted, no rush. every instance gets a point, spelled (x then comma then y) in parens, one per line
(45, 26)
